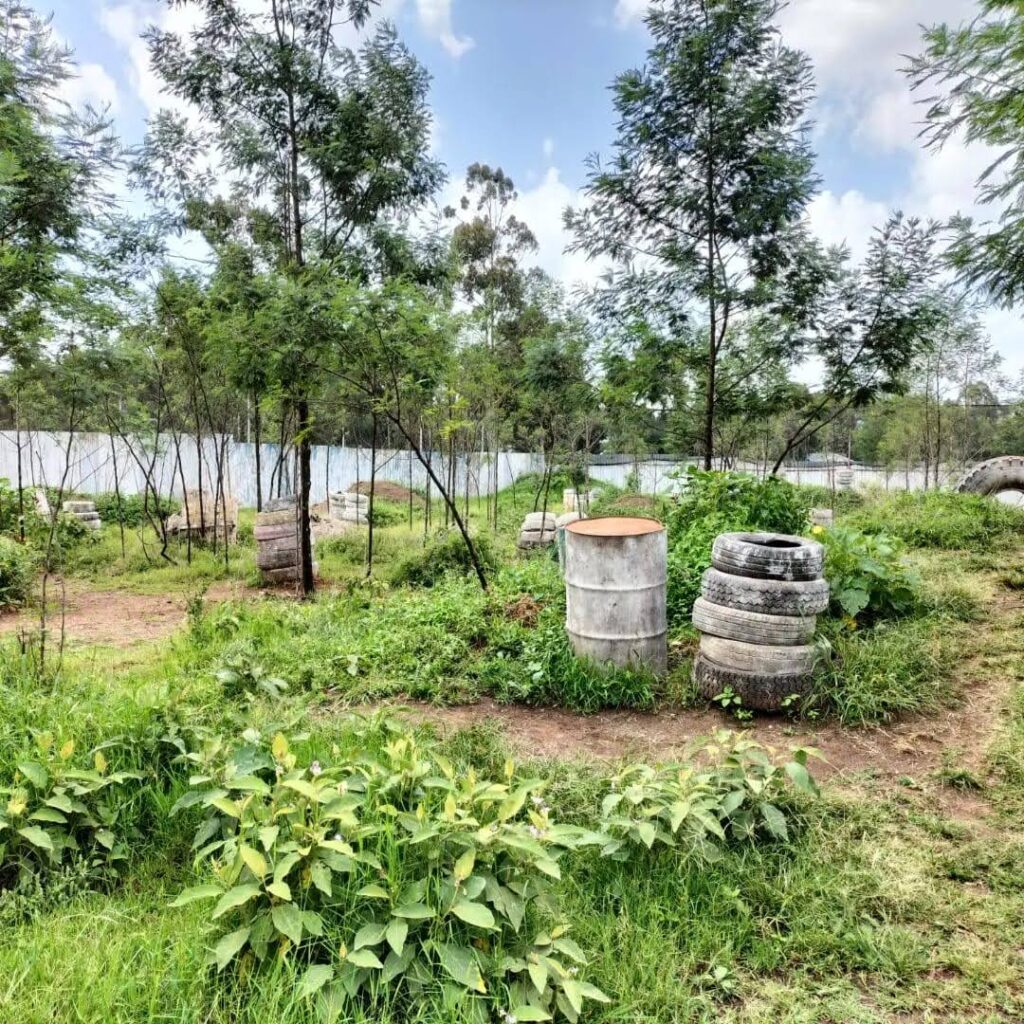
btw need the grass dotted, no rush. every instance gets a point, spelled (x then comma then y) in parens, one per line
(879, 908)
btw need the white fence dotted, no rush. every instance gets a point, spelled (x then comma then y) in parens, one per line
(92, 458)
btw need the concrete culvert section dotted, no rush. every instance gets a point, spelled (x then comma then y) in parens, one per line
(615, 591)
(995, 477)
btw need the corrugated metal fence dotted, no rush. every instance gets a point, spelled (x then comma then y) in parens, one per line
(92, 458)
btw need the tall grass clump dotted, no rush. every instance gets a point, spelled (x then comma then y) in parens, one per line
(941, 519)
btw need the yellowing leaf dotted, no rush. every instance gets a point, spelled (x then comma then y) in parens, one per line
(279, 746)
(67, 750)
(99, 762)
(253, 860)
(464, 865)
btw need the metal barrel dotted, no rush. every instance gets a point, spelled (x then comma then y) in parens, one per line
(615, 589)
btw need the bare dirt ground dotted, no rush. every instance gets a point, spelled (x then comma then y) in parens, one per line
(907, 754)
(116, 618)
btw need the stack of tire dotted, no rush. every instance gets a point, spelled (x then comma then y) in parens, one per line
(757, 614)
(538, 530)
(85, 512)
(278, 542)
(351, 506)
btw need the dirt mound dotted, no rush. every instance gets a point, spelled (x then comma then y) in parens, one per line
(524, 610)
(387, 491)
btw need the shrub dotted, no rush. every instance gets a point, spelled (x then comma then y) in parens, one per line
(771, 504)
(446, 554)
(867, 577)
(17, 571)
(941, 519)
(715, 503)
(130, 509)
(842, 501)
(299, 855)
(392, 874)
(56, 815)
(695, 809)
(540, 667)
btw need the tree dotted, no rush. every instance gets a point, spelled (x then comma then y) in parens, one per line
(322, 143)
(52, 163)
(712, 167)
(867, 325)
(977, 72)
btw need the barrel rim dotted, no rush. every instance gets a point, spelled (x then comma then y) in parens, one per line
(616, 526)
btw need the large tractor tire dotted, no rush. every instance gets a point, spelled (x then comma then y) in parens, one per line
(1003, 474)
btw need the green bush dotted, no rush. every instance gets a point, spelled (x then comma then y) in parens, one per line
(867, 577)
(17, 571)
(55, 815)
(390, 874)
(130, 509)
(941, 519)
(538, 666)
(842, 501)
(715, 503)
(447, 554)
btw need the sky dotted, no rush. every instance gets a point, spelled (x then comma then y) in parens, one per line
(524, 84)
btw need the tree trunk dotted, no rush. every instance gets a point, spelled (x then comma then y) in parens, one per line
(305, 536)
(257, 422)
(373, 487)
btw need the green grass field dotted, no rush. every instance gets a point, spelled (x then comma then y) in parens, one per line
(895, 896)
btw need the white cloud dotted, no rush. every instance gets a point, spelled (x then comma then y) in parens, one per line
(629, 12)
(93, 86)
(436, 21)
(848, 219)
(548, 147)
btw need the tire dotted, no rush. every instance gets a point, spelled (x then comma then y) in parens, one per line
(765, 597)
(752, 627)
(539, 521)
(771, 556)
(76, 507)
(760, 691)
(278, 518)
(276, 556)
(290, 574)
(276, 531)
(1003, 474)
(735, 654)
(280, 505)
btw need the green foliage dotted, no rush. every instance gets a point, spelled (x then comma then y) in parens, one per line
(56, 814)
(715, 503)
(771, 504)
(241, 674)
(446, 554)
(391, 869)
(538, 666)
(130, 509)
(299, 853)
(697, 808)
(941, 519)
(868, 578)
(895, 668)
(17, 571)
(841, 501)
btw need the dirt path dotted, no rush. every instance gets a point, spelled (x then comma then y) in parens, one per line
(116, 618)
(907, 753)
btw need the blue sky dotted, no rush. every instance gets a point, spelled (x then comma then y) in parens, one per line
(524, 84)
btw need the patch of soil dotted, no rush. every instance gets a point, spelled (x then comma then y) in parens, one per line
(387, 491)
(524, 610)
(118, 618)
(907, 755)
